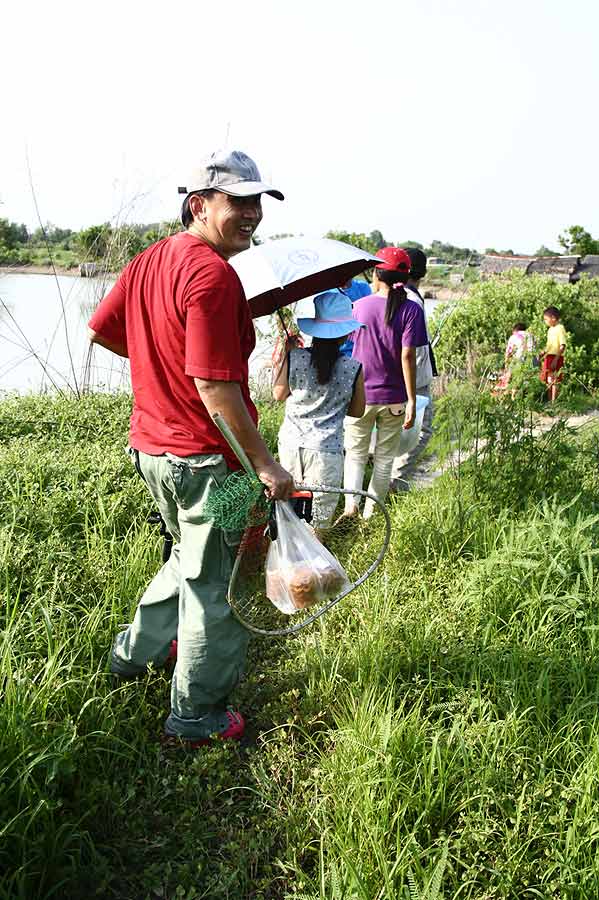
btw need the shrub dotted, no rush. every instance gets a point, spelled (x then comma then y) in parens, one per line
(474, 335)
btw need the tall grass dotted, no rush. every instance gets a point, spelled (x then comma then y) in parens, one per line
(434, 737)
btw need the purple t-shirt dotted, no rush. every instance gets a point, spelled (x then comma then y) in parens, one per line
(378, 346)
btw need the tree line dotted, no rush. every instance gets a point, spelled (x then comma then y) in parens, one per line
(111, 245)
(114, 245)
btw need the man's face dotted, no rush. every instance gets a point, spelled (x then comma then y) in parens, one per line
(231, 221)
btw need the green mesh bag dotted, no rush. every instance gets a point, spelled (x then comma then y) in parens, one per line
(239, 503)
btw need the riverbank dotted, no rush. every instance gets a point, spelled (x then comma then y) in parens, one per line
(38, 270)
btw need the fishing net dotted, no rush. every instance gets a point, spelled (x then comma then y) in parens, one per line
(357, 545)
(239, 503)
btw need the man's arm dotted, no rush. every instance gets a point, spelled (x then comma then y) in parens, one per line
(408, 367)
(114, 347)
(225, 397)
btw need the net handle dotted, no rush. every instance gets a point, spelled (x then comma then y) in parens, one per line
(225, 429)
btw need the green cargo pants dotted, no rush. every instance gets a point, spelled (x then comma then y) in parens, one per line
(187, 599)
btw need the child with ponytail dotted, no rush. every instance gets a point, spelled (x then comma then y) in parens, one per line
(386, 348)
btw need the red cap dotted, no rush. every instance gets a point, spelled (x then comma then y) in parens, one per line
(395, 259)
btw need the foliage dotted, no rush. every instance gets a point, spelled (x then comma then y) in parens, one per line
(113, 246)
(11, 234)
(492, 252)
(437, 276)
(435, 736)
(578, 241)
(498, 441)
(545, 251)
(93, 242)
(474, 335)
(12, 238)
(452, 254)
(377, 239)
(448, 253)
(363, 241)
(53, 235)
(14, 256)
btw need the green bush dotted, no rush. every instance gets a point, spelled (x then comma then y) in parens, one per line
(474, 335)
(14, 256)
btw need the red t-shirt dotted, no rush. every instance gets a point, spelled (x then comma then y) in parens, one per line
(180, 310)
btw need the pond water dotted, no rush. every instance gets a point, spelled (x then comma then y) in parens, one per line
(43, 336)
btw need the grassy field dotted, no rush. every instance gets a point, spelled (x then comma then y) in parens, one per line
(435, 737)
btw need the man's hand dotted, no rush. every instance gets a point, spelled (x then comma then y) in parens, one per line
(278, 481)
(113, 346)
(410, 414)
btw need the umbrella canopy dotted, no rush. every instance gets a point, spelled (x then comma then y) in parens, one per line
(279, 272)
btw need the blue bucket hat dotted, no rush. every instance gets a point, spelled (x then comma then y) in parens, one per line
(333, 316)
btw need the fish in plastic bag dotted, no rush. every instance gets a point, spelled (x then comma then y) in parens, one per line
(300, 571)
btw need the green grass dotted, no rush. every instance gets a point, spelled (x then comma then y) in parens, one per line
(435, 737)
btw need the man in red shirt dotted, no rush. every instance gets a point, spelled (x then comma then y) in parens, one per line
(178, 311)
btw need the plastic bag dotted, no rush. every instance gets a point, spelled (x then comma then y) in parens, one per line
(300, 571)
(410, 436)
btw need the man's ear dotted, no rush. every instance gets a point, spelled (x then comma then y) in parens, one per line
(197, 207)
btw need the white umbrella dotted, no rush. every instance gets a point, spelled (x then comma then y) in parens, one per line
(279, 272)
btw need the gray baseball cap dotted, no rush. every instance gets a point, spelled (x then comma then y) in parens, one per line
(231, 173)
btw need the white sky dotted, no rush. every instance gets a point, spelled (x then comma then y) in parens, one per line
(470, 121)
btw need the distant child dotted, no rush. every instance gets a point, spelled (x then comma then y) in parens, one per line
(321, 387)
(553, 357)
(519, 344)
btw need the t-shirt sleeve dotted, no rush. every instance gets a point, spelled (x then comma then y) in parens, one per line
(413, 327)
(109, 319)
(561, 335)
(213, 303)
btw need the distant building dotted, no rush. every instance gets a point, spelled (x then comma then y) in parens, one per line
(588, 266)
(565, 269)
(560, 268)
(494, 264)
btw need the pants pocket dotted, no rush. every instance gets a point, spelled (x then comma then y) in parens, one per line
(192, 476)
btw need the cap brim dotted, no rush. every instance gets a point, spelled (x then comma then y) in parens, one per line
(328, 329)
(249, 189)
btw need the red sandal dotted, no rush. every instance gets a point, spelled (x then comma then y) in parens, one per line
(233, 732)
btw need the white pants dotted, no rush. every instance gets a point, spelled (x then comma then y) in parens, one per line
(389, 422)
(404, 465)
(315, 467)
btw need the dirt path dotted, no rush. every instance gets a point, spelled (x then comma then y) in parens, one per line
(428, 471)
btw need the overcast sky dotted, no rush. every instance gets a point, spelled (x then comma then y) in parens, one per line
(470, 121)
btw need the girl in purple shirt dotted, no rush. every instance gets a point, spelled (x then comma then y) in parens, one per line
(387, 350)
